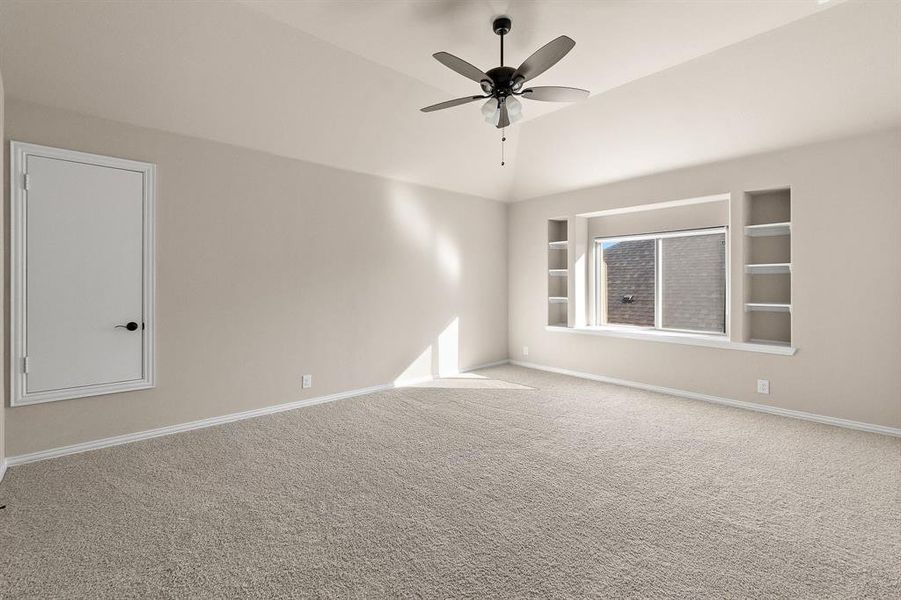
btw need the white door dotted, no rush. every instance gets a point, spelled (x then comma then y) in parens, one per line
(84, 276)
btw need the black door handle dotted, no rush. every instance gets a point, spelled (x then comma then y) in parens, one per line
(131, 326)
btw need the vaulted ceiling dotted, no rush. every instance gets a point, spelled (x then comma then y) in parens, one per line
(340, 82)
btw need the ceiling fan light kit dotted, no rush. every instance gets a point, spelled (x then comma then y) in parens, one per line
(502, 85)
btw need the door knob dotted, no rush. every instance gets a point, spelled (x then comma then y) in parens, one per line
(131, 326)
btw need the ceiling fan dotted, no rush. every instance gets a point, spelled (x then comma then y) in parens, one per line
(502, 85)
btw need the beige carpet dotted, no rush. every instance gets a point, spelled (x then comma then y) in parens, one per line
(563, 488)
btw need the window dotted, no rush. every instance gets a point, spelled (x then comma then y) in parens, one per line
(674, 281)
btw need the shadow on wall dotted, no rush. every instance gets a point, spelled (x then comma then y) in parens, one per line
(432, 288)
(441, 358)
(438, 366)
(411, 218)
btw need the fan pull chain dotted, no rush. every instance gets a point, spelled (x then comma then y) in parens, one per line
(503, 139)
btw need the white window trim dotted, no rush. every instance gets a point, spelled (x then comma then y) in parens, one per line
(598, 308)
(19, 152)
(674, 337)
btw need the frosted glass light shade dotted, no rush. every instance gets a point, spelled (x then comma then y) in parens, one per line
(514, 109)
(490, 112)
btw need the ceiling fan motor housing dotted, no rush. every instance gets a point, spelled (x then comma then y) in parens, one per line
(504, 84)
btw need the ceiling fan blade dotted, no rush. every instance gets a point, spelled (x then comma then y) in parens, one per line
(553, 93)
(544, 58)
(462, 67)
(450, 103)
(504, 120)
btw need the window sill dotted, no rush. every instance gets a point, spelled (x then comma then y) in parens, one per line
(675, 337)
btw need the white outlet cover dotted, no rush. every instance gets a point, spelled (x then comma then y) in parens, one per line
(525, 350)
(307, 381)
(763, 386)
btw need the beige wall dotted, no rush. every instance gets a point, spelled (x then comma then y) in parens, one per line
(269, 268)
(846, 283)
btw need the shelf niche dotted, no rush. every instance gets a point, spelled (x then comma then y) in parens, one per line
(768, 267)
(557, 271)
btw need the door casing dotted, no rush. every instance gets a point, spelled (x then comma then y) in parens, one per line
(19, 153)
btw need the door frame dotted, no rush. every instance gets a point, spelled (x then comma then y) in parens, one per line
(19, 153)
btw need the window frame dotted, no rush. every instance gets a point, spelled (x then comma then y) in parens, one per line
(600, 306)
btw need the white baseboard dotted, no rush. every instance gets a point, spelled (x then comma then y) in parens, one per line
(773, 410)
(2, 469)
(22, 459)
(496, 363)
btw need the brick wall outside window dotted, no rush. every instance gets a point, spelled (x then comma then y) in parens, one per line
(630, 272)
(694, 283)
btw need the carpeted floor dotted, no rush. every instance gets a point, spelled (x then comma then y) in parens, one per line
(547, 487)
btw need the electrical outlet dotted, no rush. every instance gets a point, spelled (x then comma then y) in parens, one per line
(307, 381)
(763, 386)
(525, 350)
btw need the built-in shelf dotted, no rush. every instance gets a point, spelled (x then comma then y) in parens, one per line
(768, 229)
(767, 307)
(767, 252)
(768, 268)
(557, 265)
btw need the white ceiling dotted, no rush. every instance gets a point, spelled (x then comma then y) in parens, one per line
(832, 75)
(339, 83)
(617, 41)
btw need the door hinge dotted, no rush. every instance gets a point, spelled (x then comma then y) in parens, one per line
(25, 364)
(26, 181)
